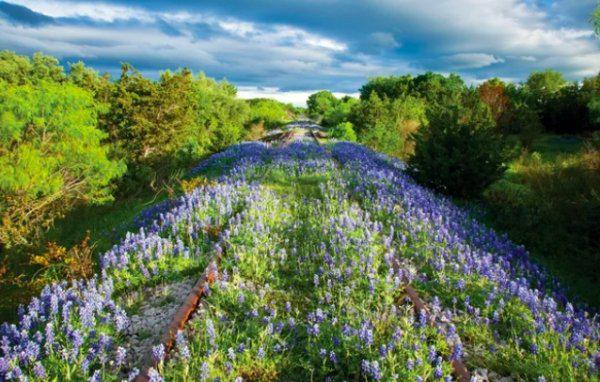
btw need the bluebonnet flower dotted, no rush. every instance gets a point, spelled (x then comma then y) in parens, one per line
(158, 353)
(456, 352)
(38, 370)
(210, 331)
(120, 356)
(204, 370)
(154, 375)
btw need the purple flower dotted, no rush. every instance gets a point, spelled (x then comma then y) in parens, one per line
(154, 375)
(456, 352)
(120, 356)
(158, 353)
(38, 370)
(204, 370)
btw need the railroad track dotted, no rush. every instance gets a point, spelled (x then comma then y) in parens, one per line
(210, 275)
(185, 312)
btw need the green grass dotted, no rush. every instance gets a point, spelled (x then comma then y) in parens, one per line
(551, 145)
(548, 201)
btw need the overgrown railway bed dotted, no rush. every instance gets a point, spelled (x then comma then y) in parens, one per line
(317, 263)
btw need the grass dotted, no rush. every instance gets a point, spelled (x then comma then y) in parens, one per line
(549, 201)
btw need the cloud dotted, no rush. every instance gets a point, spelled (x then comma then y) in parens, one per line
(295, 45)
(23, 15)
(471, 60)
(295, 97)
(93, 10)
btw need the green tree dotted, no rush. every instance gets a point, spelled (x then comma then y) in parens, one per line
(271, 113)
(340, 112)
(542, 85)
(20, 70)
(437, 89)
(320, 103)
(387, 124)
(459, 153)
(390, 87)
(344, 131)
(51, 157)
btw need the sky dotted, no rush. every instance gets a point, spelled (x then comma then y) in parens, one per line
(290, 49)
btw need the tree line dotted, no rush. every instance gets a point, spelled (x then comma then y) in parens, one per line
(75, 136)
(424, 119)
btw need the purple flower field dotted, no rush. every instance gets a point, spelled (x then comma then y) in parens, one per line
(318, 244)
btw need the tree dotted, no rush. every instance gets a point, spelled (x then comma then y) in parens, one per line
(320, 103)
(390, 87)
(542, 85)
(21, 70)
(459, 153)
(158, 126)
(566, 111)
(437, 89)
(492, 92)
(269, 112)
(51, 157)
(340, 112)
(386, 124)
(344, 131)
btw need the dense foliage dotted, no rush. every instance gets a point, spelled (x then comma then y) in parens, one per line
(51, 156)
(67, 137)
(269, 112)
(343, 131)
(319, 103)
(386, 124)
(460, 152)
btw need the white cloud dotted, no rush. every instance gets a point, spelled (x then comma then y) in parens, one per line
(507, 28)
(296, 97)
(93, 10)
(471, 60)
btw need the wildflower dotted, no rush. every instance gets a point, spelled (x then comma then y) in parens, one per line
(158, 353)
(38, 370)
(154, 375)
(204, 372)
(121, 353)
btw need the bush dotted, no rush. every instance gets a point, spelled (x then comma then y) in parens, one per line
(339, 113)
(459, 153)
(320, 103)
(269, 112)
(387, 124)
(51, 157)
(343, 131)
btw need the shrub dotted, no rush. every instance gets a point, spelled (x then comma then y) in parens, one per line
(269, 112)
(459, 153)
(339, 113)
(59, 263)
(51, 157)
(387, 124)
(344, 131)
(320, 103)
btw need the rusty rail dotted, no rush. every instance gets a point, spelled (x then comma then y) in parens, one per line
(185, 311)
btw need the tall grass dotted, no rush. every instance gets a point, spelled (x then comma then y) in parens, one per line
(550, 201)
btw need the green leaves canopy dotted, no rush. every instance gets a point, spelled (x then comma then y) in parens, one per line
(51, 155)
